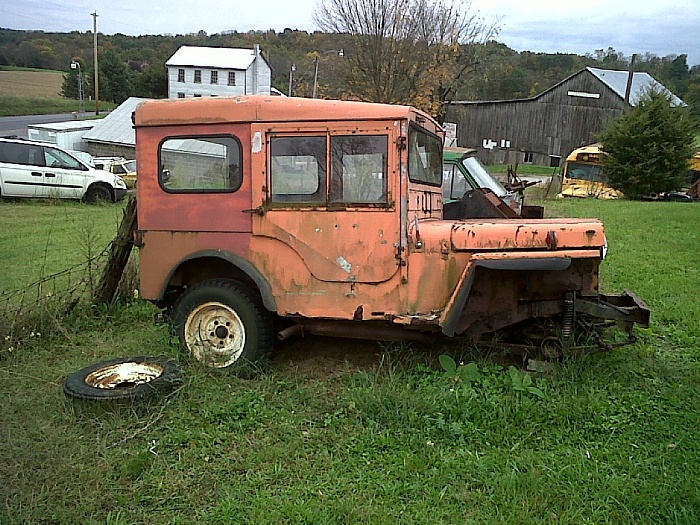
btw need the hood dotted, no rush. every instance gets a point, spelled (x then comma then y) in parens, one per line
(509, 234)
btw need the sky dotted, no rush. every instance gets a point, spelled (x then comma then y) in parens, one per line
(550, 26)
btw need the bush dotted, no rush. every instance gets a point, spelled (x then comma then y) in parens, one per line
(648, 148)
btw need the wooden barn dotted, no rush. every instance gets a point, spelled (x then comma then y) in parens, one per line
(544, 129)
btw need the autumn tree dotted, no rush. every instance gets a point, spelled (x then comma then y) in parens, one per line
(405, 51)
(647, 149)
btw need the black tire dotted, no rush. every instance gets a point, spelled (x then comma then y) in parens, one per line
(223, 324)
(98, 193)
(117, 380)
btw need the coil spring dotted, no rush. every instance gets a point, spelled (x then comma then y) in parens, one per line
(568, 320)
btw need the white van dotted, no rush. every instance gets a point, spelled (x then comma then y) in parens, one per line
(36, 169)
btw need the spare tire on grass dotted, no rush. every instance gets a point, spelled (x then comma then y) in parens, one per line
(124, 378)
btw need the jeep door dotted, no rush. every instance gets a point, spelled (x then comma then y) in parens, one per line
(328, 201)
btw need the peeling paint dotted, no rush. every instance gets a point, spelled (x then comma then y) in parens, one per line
(257, 142)
(345, 265)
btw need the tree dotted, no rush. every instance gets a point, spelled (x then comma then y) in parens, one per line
(404, 51)
(647, 149)
(115, 77)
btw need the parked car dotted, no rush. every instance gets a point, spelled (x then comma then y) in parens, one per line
(36, 169)
(126, 169)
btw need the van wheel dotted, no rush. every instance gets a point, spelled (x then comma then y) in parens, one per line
(98, 193)
(221, 323)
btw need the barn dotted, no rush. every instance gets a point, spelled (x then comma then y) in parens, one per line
(546, 128)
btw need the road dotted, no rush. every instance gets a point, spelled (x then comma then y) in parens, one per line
(18, 125)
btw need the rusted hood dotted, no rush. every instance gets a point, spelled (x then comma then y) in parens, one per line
(508, 234)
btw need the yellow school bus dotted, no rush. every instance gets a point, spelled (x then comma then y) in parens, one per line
(584, 177)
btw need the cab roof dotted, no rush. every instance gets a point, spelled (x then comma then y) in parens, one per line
(259, 108)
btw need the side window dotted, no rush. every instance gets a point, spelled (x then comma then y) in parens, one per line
(448, 177)
(205, 164)
(298, 169)
(55, 158)
(359, 169)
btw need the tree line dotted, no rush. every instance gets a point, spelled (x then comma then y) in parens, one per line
(436, 52)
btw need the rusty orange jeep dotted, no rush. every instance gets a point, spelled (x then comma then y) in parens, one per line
(326, 217)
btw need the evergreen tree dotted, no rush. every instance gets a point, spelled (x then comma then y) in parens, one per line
(647, 149)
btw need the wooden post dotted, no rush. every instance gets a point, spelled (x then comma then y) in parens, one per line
(119, 255)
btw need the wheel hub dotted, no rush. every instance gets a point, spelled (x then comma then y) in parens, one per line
(215, 334)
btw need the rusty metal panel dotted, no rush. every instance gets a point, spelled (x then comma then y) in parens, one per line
(547, 234)
(162, 253)
(162, 211)
(258, 108)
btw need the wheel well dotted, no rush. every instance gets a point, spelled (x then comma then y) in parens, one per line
(104, 185)
(200, 269)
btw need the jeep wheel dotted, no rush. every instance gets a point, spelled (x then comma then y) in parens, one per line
(220, 323)
(98, 193)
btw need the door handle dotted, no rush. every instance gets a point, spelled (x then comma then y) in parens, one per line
(36, 174)
(256, 211)
(50, 175)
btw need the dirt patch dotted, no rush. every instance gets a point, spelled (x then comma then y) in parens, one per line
(320, 357)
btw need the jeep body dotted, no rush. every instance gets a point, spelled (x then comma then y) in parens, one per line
(328, 217)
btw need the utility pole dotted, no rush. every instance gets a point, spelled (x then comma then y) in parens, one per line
(97, 82)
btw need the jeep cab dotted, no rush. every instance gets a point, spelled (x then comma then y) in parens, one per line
(327, 216)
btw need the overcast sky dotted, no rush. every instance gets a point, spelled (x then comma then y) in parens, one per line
(629, 26)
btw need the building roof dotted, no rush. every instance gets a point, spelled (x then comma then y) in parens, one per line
(641, 84)
(614, 79)
(68, 125)
(116, 128)
(212, 57)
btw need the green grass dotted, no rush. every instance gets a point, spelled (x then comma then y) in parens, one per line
(357, 432)
(17, 106)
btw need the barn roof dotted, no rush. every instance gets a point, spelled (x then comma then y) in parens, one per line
(641, 84)
(116, 128)
(214, 57)
(613, 79)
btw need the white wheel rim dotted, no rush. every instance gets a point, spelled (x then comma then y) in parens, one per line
(123, 375)
(215, 334)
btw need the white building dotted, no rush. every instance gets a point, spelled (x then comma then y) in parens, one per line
(217, 71)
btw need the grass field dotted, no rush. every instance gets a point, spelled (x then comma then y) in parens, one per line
(31, 83)
(33, 92)
(334, 431)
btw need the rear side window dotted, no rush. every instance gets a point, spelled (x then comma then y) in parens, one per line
(25, 154)
(202, 164)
